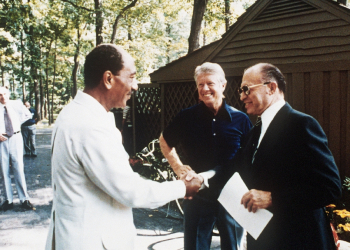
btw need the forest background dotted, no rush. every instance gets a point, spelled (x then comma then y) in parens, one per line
(43, 43)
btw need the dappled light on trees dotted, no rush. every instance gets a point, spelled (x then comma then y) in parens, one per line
(43, 42)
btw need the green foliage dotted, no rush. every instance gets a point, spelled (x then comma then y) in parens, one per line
(153, 165)
(42, 37)
(346, 183)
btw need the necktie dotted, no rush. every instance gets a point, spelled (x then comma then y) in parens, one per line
(8, 123)
(256, 136)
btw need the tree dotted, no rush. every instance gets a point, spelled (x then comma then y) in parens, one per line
(199, 8)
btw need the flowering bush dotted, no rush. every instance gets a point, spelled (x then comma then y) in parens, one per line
(340, 218)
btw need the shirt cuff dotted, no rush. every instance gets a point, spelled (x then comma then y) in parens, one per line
(206, 176)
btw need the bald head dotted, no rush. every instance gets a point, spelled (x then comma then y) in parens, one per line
(269, 73)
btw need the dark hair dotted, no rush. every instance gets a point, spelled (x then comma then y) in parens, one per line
(102, 58)
(271, 72)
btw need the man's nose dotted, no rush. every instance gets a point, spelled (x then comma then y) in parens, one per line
(242, 96)
(205, 87)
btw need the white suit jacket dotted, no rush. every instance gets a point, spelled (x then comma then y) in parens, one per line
(94, 186)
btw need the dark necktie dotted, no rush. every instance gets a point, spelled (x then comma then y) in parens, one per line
(256, 136)
(8, 123)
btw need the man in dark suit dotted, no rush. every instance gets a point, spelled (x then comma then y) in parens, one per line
(287, 165)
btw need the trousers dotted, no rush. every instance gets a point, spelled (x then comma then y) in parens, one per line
(28, 133)
(200, 216)
(11, 152)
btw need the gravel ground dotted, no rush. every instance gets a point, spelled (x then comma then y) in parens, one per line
(27, 230)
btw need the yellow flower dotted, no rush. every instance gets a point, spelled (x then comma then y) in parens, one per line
(342, 213)
(331, 206)
(345, 227)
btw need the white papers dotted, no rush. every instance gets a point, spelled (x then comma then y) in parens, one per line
(230, 198)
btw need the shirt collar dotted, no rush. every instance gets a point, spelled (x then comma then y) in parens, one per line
(90, 102)
(223, 112)
(271, 112)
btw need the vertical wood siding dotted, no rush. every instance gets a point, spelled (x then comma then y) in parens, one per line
(325, 95)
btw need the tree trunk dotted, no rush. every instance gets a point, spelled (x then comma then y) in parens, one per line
(53, 82)
(22, 64)
(37, 98)
(204, 36)
(99, 22)
(227, 14)
(41, 97)
(76, 66)
(121, 13)
(199, 8)
(2, 72)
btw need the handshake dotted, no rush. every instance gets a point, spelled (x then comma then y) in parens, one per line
(192, 180)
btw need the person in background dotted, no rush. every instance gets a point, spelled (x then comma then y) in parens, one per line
(94, 186)
(210, 134)
(29, 131)
(12, 114)
(127, 128)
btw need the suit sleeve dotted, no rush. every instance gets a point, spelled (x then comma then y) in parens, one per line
(311, 178)
(106, 164)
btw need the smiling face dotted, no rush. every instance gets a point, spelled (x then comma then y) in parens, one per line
(259, 99)
(210, 90)
(123, 84)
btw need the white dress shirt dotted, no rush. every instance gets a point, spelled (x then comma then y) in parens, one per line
(268, 115)
(17, 112)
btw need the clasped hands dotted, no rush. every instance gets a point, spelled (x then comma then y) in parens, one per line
(192, 180)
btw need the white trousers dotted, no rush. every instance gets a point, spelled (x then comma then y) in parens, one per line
(11, 152)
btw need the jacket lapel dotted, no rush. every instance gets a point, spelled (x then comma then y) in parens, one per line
(273, 134)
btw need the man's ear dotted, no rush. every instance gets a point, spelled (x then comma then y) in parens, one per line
(107, 79)
(273, 87)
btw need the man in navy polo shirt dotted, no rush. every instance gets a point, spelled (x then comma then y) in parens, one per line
(210, 134)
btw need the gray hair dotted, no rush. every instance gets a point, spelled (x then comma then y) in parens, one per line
(212, 69)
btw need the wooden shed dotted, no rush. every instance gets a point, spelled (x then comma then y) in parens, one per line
(309, 40)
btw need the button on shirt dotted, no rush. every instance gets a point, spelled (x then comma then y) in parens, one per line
(207, 140)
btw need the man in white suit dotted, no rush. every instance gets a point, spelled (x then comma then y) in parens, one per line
(93, 183)
(12, 114)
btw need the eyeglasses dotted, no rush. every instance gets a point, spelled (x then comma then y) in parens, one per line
(246, 89)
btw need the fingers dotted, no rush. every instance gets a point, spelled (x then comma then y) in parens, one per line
(190, 175)
(3, 138)
(182, 170)
(192, 187)
(256, 199)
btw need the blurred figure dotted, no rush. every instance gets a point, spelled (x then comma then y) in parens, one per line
(12, 115)
(127, 128)
(29, 131)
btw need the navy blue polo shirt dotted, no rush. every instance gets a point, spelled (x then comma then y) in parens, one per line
(207, 140)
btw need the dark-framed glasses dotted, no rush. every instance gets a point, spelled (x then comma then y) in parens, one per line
(246, 88)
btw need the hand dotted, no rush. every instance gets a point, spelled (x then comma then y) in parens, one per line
(3, 138)
(191, 174)
(192, 186)
(256, 199)
(182, 170)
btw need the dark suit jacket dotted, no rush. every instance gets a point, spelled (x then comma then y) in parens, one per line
(294, 163)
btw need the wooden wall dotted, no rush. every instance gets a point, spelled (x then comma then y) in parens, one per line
(309, 36)
(325, 95)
